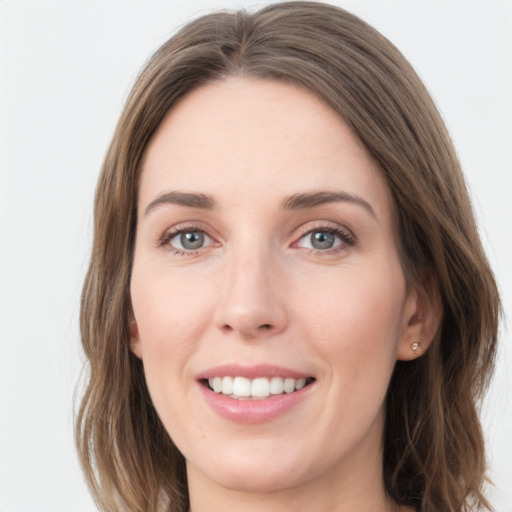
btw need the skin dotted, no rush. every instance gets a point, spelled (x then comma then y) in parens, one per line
(257, 291)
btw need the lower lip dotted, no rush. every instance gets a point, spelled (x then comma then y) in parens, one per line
(252, 411)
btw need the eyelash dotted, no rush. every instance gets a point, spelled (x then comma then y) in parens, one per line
(347, 238)
(174, 232)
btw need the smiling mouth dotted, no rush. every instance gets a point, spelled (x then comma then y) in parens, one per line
(260, 388)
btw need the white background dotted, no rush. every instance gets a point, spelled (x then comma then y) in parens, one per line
(65, 69)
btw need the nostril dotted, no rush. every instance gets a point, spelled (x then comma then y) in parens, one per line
(266, 327)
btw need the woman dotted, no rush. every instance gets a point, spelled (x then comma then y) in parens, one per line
(288, 306)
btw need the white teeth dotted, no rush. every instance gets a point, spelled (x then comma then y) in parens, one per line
(227, 386)
(217, 384)
(276, 386)
(241, 386)
(289, 385)
(261, 387)
(300, 383)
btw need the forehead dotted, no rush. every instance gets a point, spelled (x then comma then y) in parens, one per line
(241, 135)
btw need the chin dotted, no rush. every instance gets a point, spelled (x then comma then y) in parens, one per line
(271, 471)
(256, 480)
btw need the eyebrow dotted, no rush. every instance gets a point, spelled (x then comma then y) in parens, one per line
(193, 200)
(293, 202)
(310, 200)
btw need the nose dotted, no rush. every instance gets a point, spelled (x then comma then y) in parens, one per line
(251, 297)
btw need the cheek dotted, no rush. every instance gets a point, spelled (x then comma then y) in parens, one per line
(355, 332)
(171, 320)
(170, 314)
(357, 329)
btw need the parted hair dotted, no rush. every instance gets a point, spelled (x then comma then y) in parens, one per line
(433, 448)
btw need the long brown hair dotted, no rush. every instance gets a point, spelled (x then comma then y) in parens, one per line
(434, 456)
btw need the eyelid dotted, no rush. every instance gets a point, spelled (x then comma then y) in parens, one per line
(326, 225)
(174, 231)
(347, 237)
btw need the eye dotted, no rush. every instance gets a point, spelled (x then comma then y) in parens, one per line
(326, 238)
(321, 240)
(187, 240)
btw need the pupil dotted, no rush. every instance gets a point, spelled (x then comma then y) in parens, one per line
(192, 240)
(322, 240)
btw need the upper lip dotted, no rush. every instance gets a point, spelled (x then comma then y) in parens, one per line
(251, 372)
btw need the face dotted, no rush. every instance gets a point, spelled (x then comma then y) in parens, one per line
(269, 301)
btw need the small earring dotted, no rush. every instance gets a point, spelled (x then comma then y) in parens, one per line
(415, 346)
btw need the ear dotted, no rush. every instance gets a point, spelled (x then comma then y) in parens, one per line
(135, 344)
(423, 312)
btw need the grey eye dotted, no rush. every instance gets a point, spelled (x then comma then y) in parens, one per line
(322, 239)
(191, 240)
